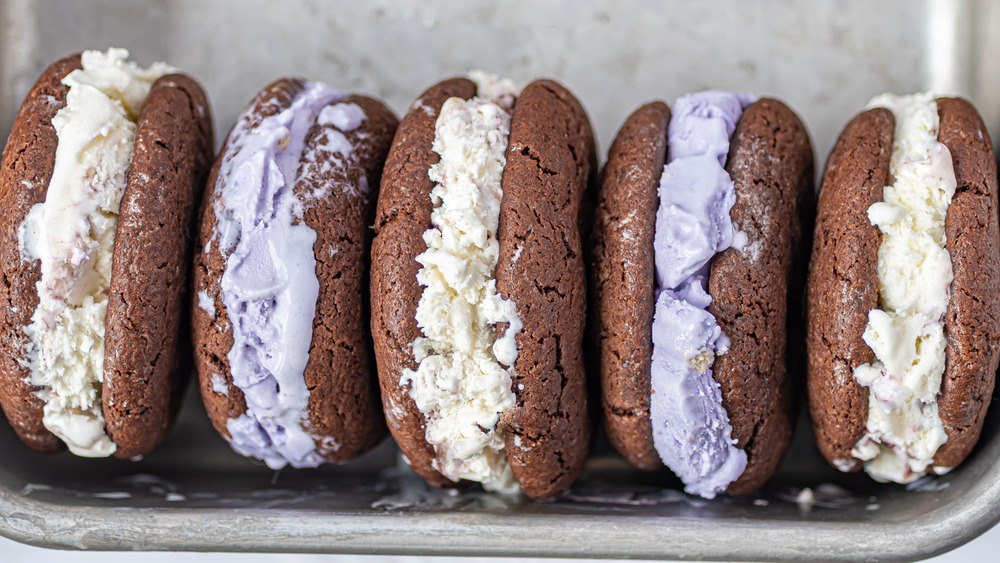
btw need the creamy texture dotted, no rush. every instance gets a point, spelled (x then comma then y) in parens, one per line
(269, 286)
(691, 430)
(463, 381)
(206, 303)
(72, 234)
(906, 332)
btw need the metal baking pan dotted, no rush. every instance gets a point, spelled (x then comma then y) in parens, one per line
(825, 58)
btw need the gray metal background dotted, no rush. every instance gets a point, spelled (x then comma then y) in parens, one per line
(825, 58)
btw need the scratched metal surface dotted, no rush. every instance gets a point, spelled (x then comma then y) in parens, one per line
(825, 58)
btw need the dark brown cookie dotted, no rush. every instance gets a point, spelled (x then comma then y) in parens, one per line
(343, 399)
(27, 165)
(771, 164)
(972, 320)
(842, 286)
(402, 215)
(146, 353)
(550, 166)
(622, 281)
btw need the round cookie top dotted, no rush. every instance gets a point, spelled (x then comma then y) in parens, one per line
(623, 283)
(343, 398)
(146, 351)
(756, 289)
(972, 320)
(28, 160)
(845, 250)
(551, 169)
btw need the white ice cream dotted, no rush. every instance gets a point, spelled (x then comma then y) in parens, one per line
(72, 233)
(906, 332)
(463, 381)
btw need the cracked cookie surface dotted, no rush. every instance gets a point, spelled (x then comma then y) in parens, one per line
(845, 253)
(972, 320)
(28, 161)
(147, 348)
(756, 290)
(550, 168)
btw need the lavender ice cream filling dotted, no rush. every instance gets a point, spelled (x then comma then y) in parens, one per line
(269, 286)
(691, 430)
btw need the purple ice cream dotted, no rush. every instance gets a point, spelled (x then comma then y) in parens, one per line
(269, 285)
(691, 429)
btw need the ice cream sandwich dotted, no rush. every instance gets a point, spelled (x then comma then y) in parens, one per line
(478, 285)
(700, 237)
(904, 289)
(280, 306)
(99, 185)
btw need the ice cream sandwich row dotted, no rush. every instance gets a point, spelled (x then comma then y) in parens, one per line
(468, 279)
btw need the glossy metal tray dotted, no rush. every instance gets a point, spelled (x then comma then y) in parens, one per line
(825, 58)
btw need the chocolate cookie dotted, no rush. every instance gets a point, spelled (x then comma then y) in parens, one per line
(550, 159)
(147, 351)
(622, 280)
(972, 321)
(844, 288)
(757, 291)
(28, 159)
(343, 140)
(845, 249)
(402, 216)
(537, 435)
(143, 368)
(753, 284)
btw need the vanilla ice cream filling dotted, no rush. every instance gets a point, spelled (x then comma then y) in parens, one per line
(463, 380)
(72, 234)
(906, 332)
